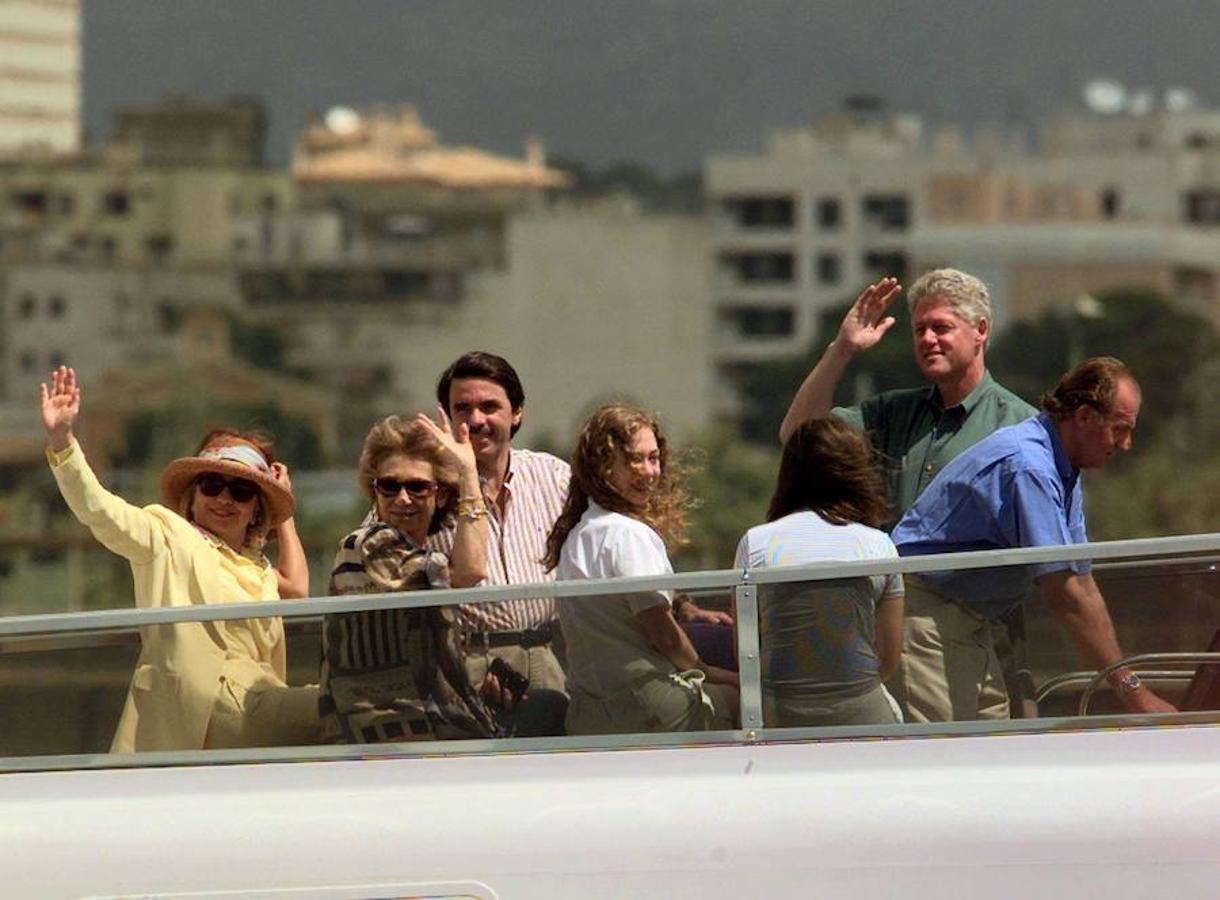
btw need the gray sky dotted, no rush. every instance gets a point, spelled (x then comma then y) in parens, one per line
(661, 81)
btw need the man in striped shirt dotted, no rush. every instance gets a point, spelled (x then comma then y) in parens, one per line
(524, 491)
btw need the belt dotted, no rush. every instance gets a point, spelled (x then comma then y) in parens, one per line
(530, 637)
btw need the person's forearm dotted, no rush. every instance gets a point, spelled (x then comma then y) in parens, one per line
(292, 566)
(60, 439)
(468, 564)
(668, 638)
(1079, 606)
(717, 675)
(468, 561)
(815, 398)
(679, 650)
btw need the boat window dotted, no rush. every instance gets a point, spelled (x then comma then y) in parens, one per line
(809, 646)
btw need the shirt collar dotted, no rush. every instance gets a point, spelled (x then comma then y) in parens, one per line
(1067, 472)
(245, 553)
(970, 401)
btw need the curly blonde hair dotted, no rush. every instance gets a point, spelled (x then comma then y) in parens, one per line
(606, 434)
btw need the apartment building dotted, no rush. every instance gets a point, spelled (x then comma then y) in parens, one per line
(40, 94)
(402, 253)
(800, 226)
(1097, 202)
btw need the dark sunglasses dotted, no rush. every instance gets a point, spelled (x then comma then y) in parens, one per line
(418, 488)
(240, 490)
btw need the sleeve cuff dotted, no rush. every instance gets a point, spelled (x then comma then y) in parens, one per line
(58, 457)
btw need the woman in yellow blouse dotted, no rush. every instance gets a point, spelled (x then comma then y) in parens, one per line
(198, 684)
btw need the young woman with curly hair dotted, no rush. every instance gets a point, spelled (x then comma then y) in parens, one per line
(631, 668)
(826, 645)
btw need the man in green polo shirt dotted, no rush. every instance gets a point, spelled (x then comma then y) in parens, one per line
(917, 430)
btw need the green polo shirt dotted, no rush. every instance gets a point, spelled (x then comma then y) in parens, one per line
(917, 436)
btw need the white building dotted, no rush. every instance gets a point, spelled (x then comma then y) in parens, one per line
(40, 66)
(1105, 202)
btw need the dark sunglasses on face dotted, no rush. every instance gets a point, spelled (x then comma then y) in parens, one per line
(418, 488)
(240, 490)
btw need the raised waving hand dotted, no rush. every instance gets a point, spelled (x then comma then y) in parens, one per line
(863, 326)
(60, 406)
(455, 444)
(866, 322)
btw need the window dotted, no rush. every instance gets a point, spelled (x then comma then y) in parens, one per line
(880, 263)
(829, 268)
(169, 315)
(772, 267)
(67, 204)
(107, 248)
(116, 203)
(762, 212)
(30, 201)
(1202, 207)
(26, 306)
(159, 247)
(56, 307)
(27, 361)
(763, 321)
(829, 213)
(55, 359)
(890, 212)
(1108, 203)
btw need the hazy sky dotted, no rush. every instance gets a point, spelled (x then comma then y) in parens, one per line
(662, 81)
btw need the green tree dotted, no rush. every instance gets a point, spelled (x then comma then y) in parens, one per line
(1167, 349)
(262, 346)
(153, 437)
(733, 481)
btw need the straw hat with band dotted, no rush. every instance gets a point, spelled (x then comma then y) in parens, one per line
(237, 460)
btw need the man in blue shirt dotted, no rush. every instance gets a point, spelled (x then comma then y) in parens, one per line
(1020, 487)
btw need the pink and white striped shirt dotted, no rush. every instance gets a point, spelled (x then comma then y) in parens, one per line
(535, 488)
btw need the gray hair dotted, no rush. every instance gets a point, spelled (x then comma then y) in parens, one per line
(966, 294)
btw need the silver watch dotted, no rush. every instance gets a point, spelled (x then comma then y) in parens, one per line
(1129, 684)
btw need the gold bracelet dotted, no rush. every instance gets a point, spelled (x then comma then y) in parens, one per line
(471, 508)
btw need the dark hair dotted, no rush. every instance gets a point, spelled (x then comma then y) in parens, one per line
(606, 434)
(1093, 383)
(489, 367)
(829, 467)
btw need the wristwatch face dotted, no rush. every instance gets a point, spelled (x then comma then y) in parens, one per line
(1128, 683)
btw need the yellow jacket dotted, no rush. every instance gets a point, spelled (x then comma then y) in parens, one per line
(181, 666)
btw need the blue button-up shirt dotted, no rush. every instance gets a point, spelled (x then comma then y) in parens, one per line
(1016, 488)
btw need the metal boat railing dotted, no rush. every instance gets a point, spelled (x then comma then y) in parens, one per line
(115, 627)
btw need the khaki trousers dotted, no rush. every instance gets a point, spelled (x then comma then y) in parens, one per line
(679, 702)
(538, 664)
(265, 714)
(949, 670)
